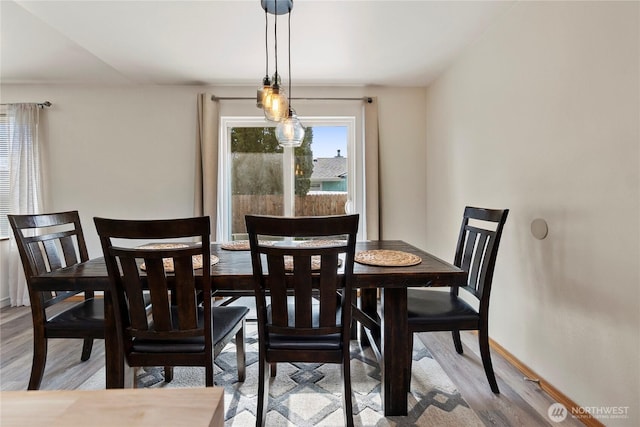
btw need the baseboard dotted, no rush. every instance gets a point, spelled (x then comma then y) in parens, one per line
(587, 419)
(5, 302)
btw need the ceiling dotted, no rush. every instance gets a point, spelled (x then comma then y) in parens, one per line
(341, 42)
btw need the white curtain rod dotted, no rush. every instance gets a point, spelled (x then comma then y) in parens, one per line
(368, 99)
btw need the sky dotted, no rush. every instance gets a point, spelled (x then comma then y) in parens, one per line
(327, 140)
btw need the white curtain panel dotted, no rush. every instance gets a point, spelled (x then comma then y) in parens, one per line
(372, 164)
(206, 197)
(25, 183)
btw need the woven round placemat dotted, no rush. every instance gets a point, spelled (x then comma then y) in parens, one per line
(197, 263)
(168, 262)
(242, 245)
(164, 246)
(236, 245)
(315, 262)
(322, 243)
(387, 258)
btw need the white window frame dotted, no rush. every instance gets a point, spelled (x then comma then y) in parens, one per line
(355, 166)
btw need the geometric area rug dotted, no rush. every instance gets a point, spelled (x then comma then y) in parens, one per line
(308, 394)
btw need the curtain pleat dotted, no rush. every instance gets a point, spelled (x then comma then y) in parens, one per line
(206, 185)
(372, 179)
(25, 184)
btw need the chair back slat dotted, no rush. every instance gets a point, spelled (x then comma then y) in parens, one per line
(479, 241)
(185, 293)
(69, 250)
(277, 289)
(302, 290)
(37, 263)
(328, 290)
(477, 249)
(135, 298)
(159, 291)
(53, 256)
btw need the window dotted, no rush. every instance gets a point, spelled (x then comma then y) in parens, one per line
(257, 176)
(4, 174)
(19, 160)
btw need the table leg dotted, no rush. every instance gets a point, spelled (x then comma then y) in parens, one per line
(395, 339)
(369, 305)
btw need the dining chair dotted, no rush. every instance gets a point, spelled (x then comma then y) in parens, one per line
(183, 329)
(476, 252)
(302, 269)
(48, 242)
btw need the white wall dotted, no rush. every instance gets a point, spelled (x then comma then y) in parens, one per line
(541, 115)
(129, 151)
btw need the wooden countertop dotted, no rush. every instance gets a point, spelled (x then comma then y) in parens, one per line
(193, 407)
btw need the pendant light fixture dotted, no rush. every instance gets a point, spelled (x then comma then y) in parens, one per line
(272, 99)
(289, 131)
(265, 89)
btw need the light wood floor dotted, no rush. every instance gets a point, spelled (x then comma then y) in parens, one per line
(520, 402)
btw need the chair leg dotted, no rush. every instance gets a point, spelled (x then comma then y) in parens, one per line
(86, 349)
(456, 340)
(168, 374)
(354, 322)
(483, 340)
(410, 359)
(347, 401)
(136, 371)
(241, 359)
(274, 369)
(39, 360)
(209, 372)
(263, 393)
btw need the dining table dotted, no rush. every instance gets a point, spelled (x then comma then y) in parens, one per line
(381, 307)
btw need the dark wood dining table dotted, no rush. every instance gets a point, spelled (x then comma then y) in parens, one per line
(381, 310)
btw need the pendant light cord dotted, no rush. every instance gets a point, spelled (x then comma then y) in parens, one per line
(275, 31)
(289, 47)
(266, 42)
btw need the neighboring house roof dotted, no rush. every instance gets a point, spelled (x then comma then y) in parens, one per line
(329, 168)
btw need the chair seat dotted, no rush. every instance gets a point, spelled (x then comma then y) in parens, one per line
(89, 313)
(225, 319)
(428, 306)
(305, 342)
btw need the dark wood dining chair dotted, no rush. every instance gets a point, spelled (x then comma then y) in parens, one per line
(47, 242)
(308, 316)
(476, 252)
(183, 329)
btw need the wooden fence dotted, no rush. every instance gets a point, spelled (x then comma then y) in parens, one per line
(310, 205)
